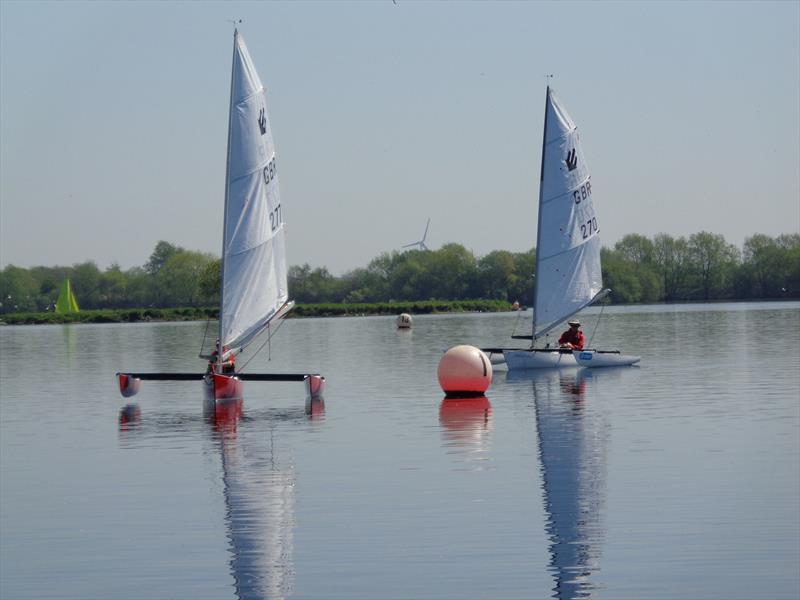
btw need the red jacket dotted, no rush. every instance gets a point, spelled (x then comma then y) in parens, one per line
(576, 339)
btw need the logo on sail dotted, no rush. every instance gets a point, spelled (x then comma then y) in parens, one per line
(571, 160)
(262, 122)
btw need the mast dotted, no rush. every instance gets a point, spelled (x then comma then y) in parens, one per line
(539, 219)
(225, 213)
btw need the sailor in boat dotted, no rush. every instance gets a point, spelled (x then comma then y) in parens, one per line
(572, 338)
(228, 365)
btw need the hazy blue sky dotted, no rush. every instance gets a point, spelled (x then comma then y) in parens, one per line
(113, 121)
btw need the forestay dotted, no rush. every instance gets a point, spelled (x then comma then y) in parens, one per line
(254, 277)
(568, 272)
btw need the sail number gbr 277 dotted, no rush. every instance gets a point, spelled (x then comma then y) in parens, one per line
(269, 172)
(588, 227)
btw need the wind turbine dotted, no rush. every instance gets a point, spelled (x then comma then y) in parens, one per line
(421, 243)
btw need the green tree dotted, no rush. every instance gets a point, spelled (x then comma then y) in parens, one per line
(211, 281)
(161, 254)
(524, 267)
(140, 288)
(409, 278)
(451, 272)
(497, 276)
(634, 259)
(671, 259)
(636, 249)
(18, 290)
(790, 245)
(113, 288)
(713, 261)
(85, 280)
(179, 277)
(619, 274)
(312, 285)
(363, 285)
(771, 266)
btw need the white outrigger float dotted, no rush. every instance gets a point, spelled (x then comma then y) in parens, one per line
(568, 271)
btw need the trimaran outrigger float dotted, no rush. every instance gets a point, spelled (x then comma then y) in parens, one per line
(254, 290)
(568, 271)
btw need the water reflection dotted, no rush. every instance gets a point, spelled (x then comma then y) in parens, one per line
(466, 425)
(130, 417)
(572, 451)
(69, 345)
(259, 489)
(258, 477)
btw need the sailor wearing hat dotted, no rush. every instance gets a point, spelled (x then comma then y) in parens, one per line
(573, 337)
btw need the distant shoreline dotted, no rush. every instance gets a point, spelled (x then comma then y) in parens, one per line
(427, 307)
(143, 315)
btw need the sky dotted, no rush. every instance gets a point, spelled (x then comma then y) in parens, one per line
(113, 120)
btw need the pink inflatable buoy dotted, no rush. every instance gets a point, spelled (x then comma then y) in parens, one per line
(464, 371)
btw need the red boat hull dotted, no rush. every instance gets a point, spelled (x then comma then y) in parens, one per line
(224, 387)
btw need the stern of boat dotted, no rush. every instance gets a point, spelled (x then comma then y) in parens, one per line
(224, 387)
(128, 384)
(315, 386)
(604, 358)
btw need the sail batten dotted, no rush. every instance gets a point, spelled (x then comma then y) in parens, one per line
(254, 273)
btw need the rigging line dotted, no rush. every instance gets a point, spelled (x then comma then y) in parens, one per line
(270, 333)
(205, 335)
(596, 325)
(514, 330)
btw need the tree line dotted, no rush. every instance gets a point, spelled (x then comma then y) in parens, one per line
(638, 269)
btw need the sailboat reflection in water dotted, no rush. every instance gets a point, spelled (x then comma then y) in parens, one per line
(258, 485)
(573, 437)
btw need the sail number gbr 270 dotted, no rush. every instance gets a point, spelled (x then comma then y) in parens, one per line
(589, 227)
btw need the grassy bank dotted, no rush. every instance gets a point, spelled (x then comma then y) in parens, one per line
(135, 315)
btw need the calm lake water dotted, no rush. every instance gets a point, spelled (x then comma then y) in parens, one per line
(679, 478)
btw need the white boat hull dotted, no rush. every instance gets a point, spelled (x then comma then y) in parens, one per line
(496, 358)
(600, 358)
(538, 359)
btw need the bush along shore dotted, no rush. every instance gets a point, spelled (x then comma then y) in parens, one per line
(137, 315)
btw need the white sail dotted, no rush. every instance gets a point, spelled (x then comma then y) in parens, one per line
(568, 274)
(254, 276)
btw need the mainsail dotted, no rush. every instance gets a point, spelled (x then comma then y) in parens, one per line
(568, 273)
(254, 276)
(66, 302)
